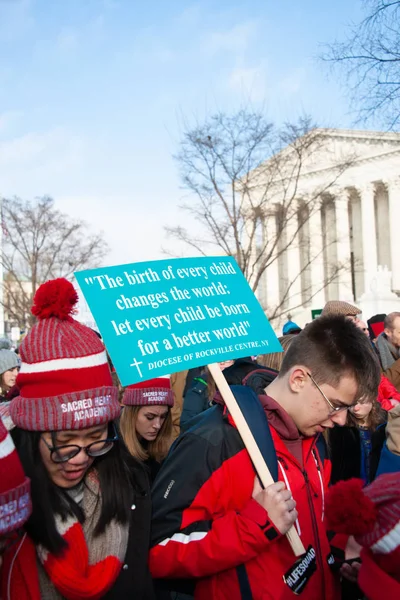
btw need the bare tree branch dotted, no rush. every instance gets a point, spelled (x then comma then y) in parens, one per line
(41, 243)
(243, 175)
(369, 59)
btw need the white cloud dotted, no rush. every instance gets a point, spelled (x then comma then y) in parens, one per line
(235, 40)
(31, 163)
(133, 232)
(60, 163)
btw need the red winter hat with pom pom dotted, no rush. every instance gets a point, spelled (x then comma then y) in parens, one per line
(65, 381)
(372, 515)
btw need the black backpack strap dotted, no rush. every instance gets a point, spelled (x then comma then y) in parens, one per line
(244, 584)
(257, 420)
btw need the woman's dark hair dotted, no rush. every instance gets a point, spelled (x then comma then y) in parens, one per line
(49, 500)
(376, 417)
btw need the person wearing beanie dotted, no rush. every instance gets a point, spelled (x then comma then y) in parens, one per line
(372, 515)
(290, 328)
(146, 421)
(15, 500)
(9, 366)
(339, 307)
(376, 325)
(88, 535)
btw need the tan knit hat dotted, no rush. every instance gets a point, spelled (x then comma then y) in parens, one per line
(337, 307)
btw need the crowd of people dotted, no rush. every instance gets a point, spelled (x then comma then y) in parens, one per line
(149, 491)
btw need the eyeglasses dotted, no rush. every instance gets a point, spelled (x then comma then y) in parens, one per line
(334, 409)
(60, 454)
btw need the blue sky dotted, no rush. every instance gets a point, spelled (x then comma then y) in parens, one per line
(93, 94)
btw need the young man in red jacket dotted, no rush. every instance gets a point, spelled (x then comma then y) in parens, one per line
(212, 522)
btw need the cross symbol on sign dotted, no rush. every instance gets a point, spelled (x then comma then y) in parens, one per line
(136, 364)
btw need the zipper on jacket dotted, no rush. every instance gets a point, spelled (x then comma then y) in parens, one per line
(321, 483)
(315, 529)
(283, 468)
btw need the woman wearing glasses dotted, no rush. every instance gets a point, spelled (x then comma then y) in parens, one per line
(356, 447)
(88, 535)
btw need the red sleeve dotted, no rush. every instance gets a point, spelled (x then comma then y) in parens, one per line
(338, 542)
(386, 392)
(193, 533)
(225, 543)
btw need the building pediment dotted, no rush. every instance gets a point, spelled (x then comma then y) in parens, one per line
(333, 147)
(341, 156)
(357, 146)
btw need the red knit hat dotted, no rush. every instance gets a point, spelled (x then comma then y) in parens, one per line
(376, 325)
(152, 392)
(372, 515)
(65, 381)
(15, 500)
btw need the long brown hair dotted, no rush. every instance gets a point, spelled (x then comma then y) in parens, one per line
(158, 448)
(274, 359)
(374, 419)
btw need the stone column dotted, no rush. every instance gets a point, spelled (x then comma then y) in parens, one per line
(367, 193)
(393, 187)
(293, 259)
(272, 271)
(317, 259)
(343, 249)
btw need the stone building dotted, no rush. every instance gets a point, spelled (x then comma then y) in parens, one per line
(352, 232)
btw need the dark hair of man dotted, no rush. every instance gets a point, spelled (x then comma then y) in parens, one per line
(332, 347)
(49, 500)
(388, 323)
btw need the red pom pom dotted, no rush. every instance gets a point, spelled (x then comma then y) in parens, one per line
(55, 298)
(348, 509)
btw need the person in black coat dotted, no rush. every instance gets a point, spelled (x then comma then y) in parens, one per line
(355, 448)
(202, 392)
(146, 422)
(355, 451)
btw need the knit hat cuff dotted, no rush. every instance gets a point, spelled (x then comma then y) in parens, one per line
(8, 361)
(15, 507)
(148, 396)
(5, 415)
(70, 411)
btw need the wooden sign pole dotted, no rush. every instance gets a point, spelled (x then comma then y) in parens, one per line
(251, 446)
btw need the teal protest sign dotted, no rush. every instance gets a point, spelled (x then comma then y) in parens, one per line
(165, 316)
